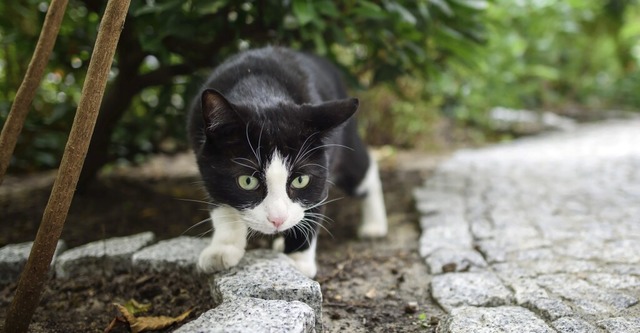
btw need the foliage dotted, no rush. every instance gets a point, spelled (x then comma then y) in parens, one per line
(413, 61)
(398, 114)
(574, 57)
(167, 46)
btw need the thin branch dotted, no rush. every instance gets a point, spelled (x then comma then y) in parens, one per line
(27, 91)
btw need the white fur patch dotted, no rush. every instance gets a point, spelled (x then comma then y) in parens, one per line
(277, 212)
(227, 243)
(374, 213)
(305, 261)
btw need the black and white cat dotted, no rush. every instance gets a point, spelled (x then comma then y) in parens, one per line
(271, 130)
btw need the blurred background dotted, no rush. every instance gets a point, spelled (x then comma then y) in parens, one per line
(431, 74)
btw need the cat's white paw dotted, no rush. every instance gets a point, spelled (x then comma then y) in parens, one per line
(278, 244)
(373, 230)
(304, 264)
(216, 258)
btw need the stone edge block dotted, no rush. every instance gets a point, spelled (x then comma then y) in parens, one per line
(106, 257)
(13, 257)
(179, 253)
(247, 314)
(267, 275)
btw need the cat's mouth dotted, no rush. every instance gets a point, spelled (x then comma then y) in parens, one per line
(269, 221)
(269, 228)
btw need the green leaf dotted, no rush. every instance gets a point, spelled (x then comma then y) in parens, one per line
(321, 46)
(211, 7)
(404, 13)
(443, 6)
(544, 72)
(473, 4)
(304, 11)
(156, 9)
(328, 8)
(369, 10)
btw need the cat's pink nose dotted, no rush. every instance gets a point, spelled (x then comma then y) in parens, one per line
(277, 221)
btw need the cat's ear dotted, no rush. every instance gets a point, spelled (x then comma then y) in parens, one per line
(217, 111)
(329, 115)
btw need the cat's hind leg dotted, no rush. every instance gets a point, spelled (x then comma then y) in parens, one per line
(374, 214)
(228, 242)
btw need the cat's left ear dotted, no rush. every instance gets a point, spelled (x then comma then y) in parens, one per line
(217, 111)
(329, 115)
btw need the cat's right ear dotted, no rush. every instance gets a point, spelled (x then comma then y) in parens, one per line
(217, 111)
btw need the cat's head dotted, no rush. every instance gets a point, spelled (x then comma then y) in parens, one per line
(269, 163)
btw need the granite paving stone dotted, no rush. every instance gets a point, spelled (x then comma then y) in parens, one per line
(454, 260)
(555, 218)
(267, 275)
(179, 253)
(13, 257)
(493, 319)
(245, 314)
(106, 257)
(621, 324)
(548, 308)
(454, 290)
(444, 237)
(573, 325)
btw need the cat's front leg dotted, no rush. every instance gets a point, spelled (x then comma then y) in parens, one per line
(228, 242)
(302, 251)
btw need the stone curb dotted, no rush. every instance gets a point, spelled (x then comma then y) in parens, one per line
(13, 257)
(264, 293)
(179, 253)
(268, 275)
(246, 314)
(108, 256)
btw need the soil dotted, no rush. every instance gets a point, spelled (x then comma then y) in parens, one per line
(368, 286)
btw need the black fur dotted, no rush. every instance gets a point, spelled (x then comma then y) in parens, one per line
(274, 98)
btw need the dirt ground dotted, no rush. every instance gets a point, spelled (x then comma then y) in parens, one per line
(368, 286)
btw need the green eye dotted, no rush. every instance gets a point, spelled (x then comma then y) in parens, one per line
(300, 181)
(248, 183)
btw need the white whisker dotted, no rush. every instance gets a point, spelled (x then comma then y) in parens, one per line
(308, 152)
(315, 165)
(198, 201)
(304, 147)
(204, 233)
(195, 225)
(255, 153)
(319, 225)
(322, 203)
(251, 166)
(260, 143)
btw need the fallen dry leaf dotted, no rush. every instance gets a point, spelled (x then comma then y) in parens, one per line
(141, 324)
(134, 307)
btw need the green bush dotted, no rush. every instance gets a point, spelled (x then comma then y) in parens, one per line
(167, 48)
(572, 57)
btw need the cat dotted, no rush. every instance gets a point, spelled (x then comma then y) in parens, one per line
(271, 130)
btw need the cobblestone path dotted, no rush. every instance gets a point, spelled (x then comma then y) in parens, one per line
(538, 235)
